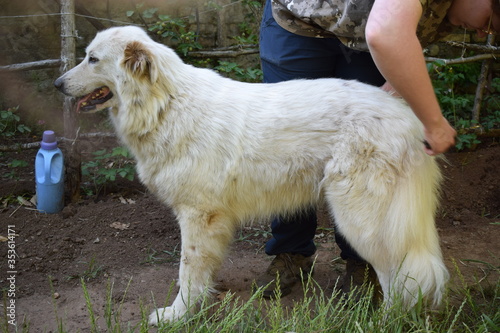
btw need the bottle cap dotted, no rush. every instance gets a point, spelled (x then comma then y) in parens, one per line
(49, 141)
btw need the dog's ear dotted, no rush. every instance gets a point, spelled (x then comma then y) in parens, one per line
(140, 62)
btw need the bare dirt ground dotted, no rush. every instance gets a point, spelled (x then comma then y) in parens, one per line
(127, 239)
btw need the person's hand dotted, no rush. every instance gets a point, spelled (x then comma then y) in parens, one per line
(439, 138)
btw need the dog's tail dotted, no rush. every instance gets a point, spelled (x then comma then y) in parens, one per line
(422, 274)
(417, 263)
(386, 212)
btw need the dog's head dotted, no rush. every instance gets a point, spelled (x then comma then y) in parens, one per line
(111, 57)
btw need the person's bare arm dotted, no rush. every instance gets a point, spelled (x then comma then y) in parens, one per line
(396, 50)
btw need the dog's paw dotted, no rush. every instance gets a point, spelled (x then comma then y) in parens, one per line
(163, 315)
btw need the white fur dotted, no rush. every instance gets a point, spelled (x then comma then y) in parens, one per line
(221, 152)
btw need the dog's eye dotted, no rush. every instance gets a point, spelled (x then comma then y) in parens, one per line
(93, 60)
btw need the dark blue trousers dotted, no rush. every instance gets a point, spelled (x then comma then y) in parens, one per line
(286, 56)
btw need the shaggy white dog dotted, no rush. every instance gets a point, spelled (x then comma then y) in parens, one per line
(221, 152)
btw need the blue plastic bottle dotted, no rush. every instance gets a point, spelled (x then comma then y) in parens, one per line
(49, 174)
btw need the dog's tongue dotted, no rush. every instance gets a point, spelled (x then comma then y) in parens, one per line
(92, 100)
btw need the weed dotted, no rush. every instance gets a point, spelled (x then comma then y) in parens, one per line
(107, 166)
(18, 164)
(60, 323)
(233, 70)
(455, 91)
(177, 32)
(153, 256)
(248, 234)
(111, 312)
(10, 123)
(91, 272)
(88, 302)
(249, 27)
(468, 307)
(466, 140)
(14, 167)
(491, 120)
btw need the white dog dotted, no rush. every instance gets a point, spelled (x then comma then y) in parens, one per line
(222, 152)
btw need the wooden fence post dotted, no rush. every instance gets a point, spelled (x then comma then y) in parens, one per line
(482, 80)
(68, 61)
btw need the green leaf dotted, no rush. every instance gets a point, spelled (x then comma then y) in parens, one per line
(120, 151)
(149, 13)
(164, 17)
(18, 164)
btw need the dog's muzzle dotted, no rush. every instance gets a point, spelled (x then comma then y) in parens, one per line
(91, 101)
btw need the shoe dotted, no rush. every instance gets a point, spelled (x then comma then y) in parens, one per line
(283, 273)
(358, 279)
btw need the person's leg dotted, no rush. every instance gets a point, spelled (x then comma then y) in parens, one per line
(357, 65)
(286, 56)
(293, 234)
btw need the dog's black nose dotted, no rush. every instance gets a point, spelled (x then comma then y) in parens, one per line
(59, 84)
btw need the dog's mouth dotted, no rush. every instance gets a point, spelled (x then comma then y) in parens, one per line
(95, 100)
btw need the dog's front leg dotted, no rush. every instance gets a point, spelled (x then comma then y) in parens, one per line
(205, 238)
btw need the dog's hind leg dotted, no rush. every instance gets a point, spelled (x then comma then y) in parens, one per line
(205, 239)
(386, 212)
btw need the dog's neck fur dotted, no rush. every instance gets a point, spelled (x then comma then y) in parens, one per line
(161, 89)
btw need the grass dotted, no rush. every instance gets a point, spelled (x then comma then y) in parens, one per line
(160, 257)
(468, 307)
(92, 271)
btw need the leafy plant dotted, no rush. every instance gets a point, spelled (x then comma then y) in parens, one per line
(448, 85)
(232, 69)
(14, 167)
(174, 29)
(466, 140)
(177, 33)
(250, 25)
(10, 124)
(491, 120)
(455, 89)
(107, 166)
(146, 13)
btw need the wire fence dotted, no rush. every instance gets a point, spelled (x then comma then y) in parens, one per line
(112, 20)
(76, 15)
(51, 63)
